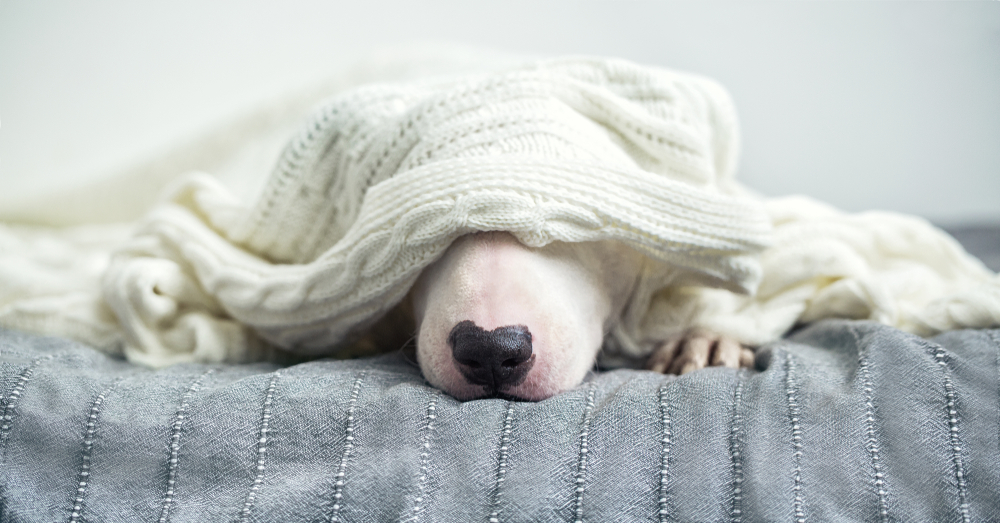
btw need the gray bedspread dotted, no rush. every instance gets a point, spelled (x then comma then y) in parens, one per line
(843, 421)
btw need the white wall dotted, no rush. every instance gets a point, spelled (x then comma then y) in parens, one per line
(890, 105)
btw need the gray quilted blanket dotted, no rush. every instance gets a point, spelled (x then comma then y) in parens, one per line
(842, 421)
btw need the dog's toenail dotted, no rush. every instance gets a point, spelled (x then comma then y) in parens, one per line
(496, 359)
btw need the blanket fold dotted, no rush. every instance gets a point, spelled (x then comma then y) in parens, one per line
(381, 179)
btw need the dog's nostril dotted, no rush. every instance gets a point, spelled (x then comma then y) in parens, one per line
(498, 358)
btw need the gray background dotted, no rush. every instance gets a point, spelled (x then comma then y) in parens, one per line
(890, 105)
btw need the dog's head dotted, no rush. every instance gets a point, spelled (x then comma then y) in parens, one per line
(497, 318)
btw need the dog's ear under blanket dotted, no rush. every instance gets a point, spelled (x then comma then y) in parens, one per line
(382, 179)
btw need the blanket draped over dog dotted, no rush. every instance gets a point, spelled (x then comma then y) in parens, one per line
(383, 178)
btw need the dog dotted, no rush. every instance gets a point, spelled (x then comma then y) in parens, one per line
(495, 318)
(618, 179)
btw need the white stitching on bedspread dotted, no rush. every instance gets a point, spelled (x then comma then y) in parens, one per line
(175, 444)
(581, 468)
(88, 446)
(338, 490)
(666, 440)
(871, 443)
(735, 444)
(793, 417)
(508, 422)
(265, 419)
(994, 335)
(425, 456)
(953, 436)
(10, 403)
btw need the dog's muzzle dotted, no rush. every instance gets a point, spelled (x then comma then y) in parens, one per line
(497, 359)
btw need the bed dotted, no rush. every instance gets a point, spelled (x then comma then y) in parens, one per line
(841, 421)
(838, 421)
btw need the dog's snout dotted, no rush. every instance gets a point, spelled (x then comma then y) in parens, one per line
(496, 359)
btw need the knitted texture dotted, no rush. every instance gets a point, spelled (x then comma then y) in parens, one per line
(384, 178)
(891, 268)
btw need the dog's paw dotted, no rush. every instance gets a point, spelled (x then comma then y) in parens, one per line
(696, 349)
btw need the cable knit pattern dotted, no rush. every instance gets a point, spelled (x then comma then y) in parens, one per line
(381, 179)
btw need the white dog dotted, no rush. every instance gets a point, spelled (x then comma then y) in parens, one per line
(496, 318)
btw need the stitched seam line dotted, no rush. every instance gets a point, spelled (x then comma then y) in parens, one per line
(871, 442)
(995, 337)
(793, 418)
(508, 423)
(735, 445)
(10, 403)
(338, 488)
(265, 419)
(88, 447)
(666, 441)
(581, 467)
(953, 433)
(175, 445)
(425, 456)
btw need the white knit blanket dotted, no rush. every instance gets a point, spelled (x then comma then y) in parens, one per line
(382, 179)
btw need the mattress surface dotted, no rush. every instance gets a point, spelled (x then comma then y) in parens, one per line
(842, 421)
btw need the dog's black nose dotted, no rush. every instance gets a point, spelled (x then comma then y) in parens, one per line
(495, 359)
